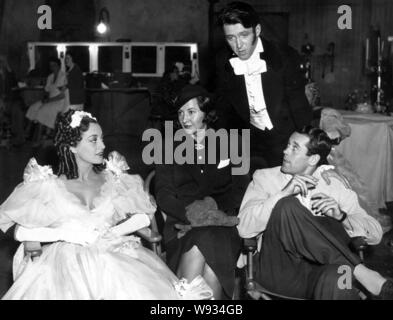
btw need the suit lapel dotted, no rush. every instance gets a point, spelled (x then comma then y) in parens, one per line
(273, 64)
(237, 87)
(237, 94)
(267, 87)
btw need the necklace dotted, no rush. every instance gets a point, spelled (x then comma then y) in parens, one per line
(199, 146)
(199, 136)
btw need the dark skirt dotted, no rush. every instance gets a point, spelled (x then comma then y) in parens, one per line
(220, 247)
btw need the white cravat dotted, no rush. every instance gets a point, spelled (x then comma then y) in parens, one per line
(253, 66)
(252, 69)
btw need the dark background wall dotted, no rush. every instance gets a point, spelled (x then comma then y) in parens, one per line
(19, 25)
(187, 20)
(73, 20)
(152, 20)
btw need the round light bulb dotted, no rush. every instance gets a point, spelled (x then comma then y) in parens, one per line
(102, 28)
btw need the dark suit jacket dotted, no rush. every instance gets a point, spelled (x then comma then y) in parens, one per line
(283, 88)
(177, 186)
(76, 86)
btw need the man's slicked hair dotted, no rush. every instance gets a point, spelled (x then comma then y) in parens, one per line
(238, 12)
(319, 143)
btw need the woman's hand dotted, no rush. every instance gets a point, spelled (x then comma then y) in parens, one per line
(327, 206)
(182, 229)
(331, 173)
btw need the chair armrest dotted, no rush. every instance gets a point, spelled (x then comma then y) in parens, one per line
(250, 245)
(149, 235)
(253, 288)
(358, 244)
(32, 248)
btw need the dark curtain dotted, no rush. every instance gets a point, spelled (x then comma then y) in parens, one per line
(2, 5)
(73, 20)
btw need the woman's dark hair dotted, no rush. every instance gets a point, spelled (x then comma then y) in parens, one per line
(69, 53)
(203, 99)
(206, 106)
(67, 137)
(238, 12)
(319, 143)
(55, 60)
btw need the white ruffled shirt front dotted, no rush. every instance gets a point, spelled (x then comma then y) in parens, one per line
(252, 69)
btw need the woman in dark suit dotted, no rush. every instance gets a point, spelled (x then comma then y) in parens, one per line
(201, 200)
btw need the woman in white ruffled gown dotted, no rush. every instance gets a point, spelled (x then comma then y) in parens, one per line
(78, 211)
(45, 112)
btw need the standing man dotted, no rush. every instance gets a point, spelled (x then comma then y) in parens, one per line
(75, 84)
(260, 86)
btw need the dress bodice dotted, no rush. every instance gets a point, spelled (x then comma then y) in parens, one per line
(42, 200)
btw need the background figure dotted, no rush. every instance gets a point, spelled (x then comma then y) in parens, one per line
(333, 123)
(7, 79)
(260, 86)
(168, 89)
(75, 84)
(201, 200)
(11, 105)
(45, 112)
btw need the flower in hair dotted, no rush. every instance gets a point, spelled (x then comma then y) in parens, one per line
(77, 117)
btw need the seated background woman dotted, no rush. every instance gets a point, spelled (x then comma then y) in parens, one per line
(45, 112)
(333, 123)
(196, 194)
(80, 210)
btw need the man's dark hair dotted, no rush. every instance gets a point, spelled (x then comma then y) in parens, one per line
(239, 12)
(71, 54)
(206, 106)
(55, 60)
(319, 143)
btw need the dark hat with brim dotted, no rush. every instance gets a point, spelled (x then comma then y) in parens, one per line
(189, 92)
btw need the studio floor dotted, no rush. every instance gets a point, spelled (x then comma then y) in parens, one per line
(13, 161)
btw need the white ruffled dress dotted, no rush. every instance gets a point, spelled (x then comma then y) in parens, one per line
(110, 268)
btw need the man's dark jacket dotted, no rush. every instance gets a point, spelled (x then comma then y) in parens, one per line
(283, 88)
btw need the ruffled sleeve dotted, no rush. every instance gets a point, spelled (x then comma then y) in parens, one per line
(126, 191)
(128, 196)
(36, 202)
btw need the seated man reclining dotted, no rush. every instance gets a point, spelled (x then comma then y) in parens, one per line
(307, 225)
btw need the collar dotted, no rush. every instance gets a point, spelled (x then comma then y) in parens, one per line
(253, 65)
(258, 49)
